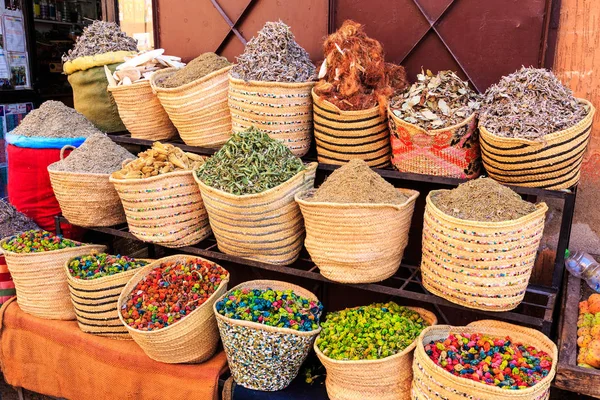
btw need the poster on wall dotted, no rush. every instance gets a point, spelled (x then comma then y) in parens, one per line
(19, 74)
(14, 34)
(14, 114)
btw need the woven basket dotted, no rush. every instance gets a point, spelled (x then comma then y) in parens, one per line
(192, 339)
(141, 112)
(433, 382)
(356, 243)
(263, 357)
(452, 151)
(385, 379)
(95, 302)
(165, 209)
(481, 265)
(40, 280)
(86, 199)
(266, 226)
(281, 109)
(553, 163)
(345, 135)
(198, 109)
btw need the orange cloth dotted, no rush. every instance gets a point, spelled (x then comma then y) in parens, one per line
(57, 359)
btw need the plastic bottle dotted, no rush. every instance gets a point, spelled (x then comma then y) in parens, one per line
(37, 10)
(584, 266)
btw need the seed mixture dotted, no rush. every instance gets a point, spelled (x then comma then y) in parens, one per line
(530, 103)
(94, 266)
(98, 38)
(356, 182)
(12, 221)
(198, 68)
(274, 56)
(37, 241)
(482, 199)
(55, 120)
(97, 155)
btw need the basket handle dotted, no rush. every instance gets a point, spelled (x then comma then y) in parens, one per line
(62, 151)
(504, 325)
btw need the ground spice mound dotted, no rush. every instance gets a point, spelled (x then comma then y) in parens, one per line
(484, 200)
(54, 119)
(98, 155)
(355, 182)
(195, 69)
(12, 221)
(98, 38)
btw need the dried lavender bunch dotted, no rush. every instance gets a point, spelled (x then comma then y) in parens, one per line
(530, 103)
(274, 56)
(100, 37)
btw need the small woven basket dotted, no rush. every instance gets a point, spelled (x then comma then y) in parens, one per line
(431, 381)
(199, 108)
(356, 243)
(386, 379)
(193, 339)
(452, 151)
(266, 226)
(141, 112)
(40, 280)
(263, 357)
(86, 199)
(281, 109)
(480, 265)
(552, 163)
(345, 135)
(165, 209)
(95, 302)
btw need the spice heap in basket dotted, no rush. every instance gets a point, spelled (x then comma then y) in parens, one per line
(12, 221)
(37, 241)
(588, 332)
(98, 38)
(198, 68)
(99, 265)
(141, 67)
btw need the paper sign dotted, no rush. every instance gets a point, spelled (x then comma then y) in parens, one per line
(14, 35)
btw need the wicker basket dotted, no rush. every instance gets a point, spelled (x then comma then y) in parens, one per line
(198, 109)
(553, 163)
(281, 109)
(452, 151)
(95, 302)
(165, 209)
(356, 243)
(86, 199)
(431, 381)
(192, 339)
(264, 357)
(40, 280)
(385, 379)
(266, 226)
(345, 135)
(141, 112)
(481, 265)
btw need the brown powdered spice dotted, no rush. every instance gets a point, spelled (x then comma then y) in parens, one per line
(483, 200)
(198, 68)
(355, 182)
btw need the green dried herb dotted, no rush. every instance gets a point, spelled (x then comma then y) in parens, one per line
(250, 162)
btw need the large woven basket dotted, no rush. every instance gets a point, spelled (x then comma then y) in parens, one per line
(356, 243)
(165, 209)
(95, 302)
(283, 110)
(431, 381)
(452, 151)
(198, 109)
(263, 357)
(192, 339)
(481, 265)
(141, 112)
(386, 379)
(86, 199)
(345, 135)
(40, 280)
(552, 163)
(266, 226)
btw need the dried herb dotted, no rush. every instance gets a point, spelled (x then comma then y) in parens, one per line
(98, 38)
(436, 101)
(196, 69)
(13, 222)
(250, 162)
(530, 103)
(274, 56)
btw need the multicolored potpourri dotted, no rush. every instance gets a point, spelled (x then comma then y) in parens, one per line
(93, 266)
(37, 241)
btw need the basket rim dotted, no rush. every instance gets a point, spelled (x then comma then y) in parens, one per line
(408, 349)
(285, 85)
(150, 179)
(374, 109)
(185, 86)
(299, 197)
(122, 88)
(263, 327)
(431, 132)
(71, 278)
(142, 272)
(65, 250)
(94, 174)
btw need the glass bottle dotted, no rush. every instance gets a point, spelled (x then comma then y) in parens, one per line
(584, 266)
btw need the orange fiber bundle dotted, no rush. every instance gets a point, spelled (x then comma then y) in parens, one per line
(354, 73)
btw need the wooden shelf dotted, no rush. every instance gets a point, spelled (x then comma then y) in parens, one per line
(49, 21)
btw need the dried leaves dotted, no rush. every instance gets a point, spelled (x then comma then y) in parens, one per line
(436, 101)
(98, 38)
(530, 103)
(274, 56)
